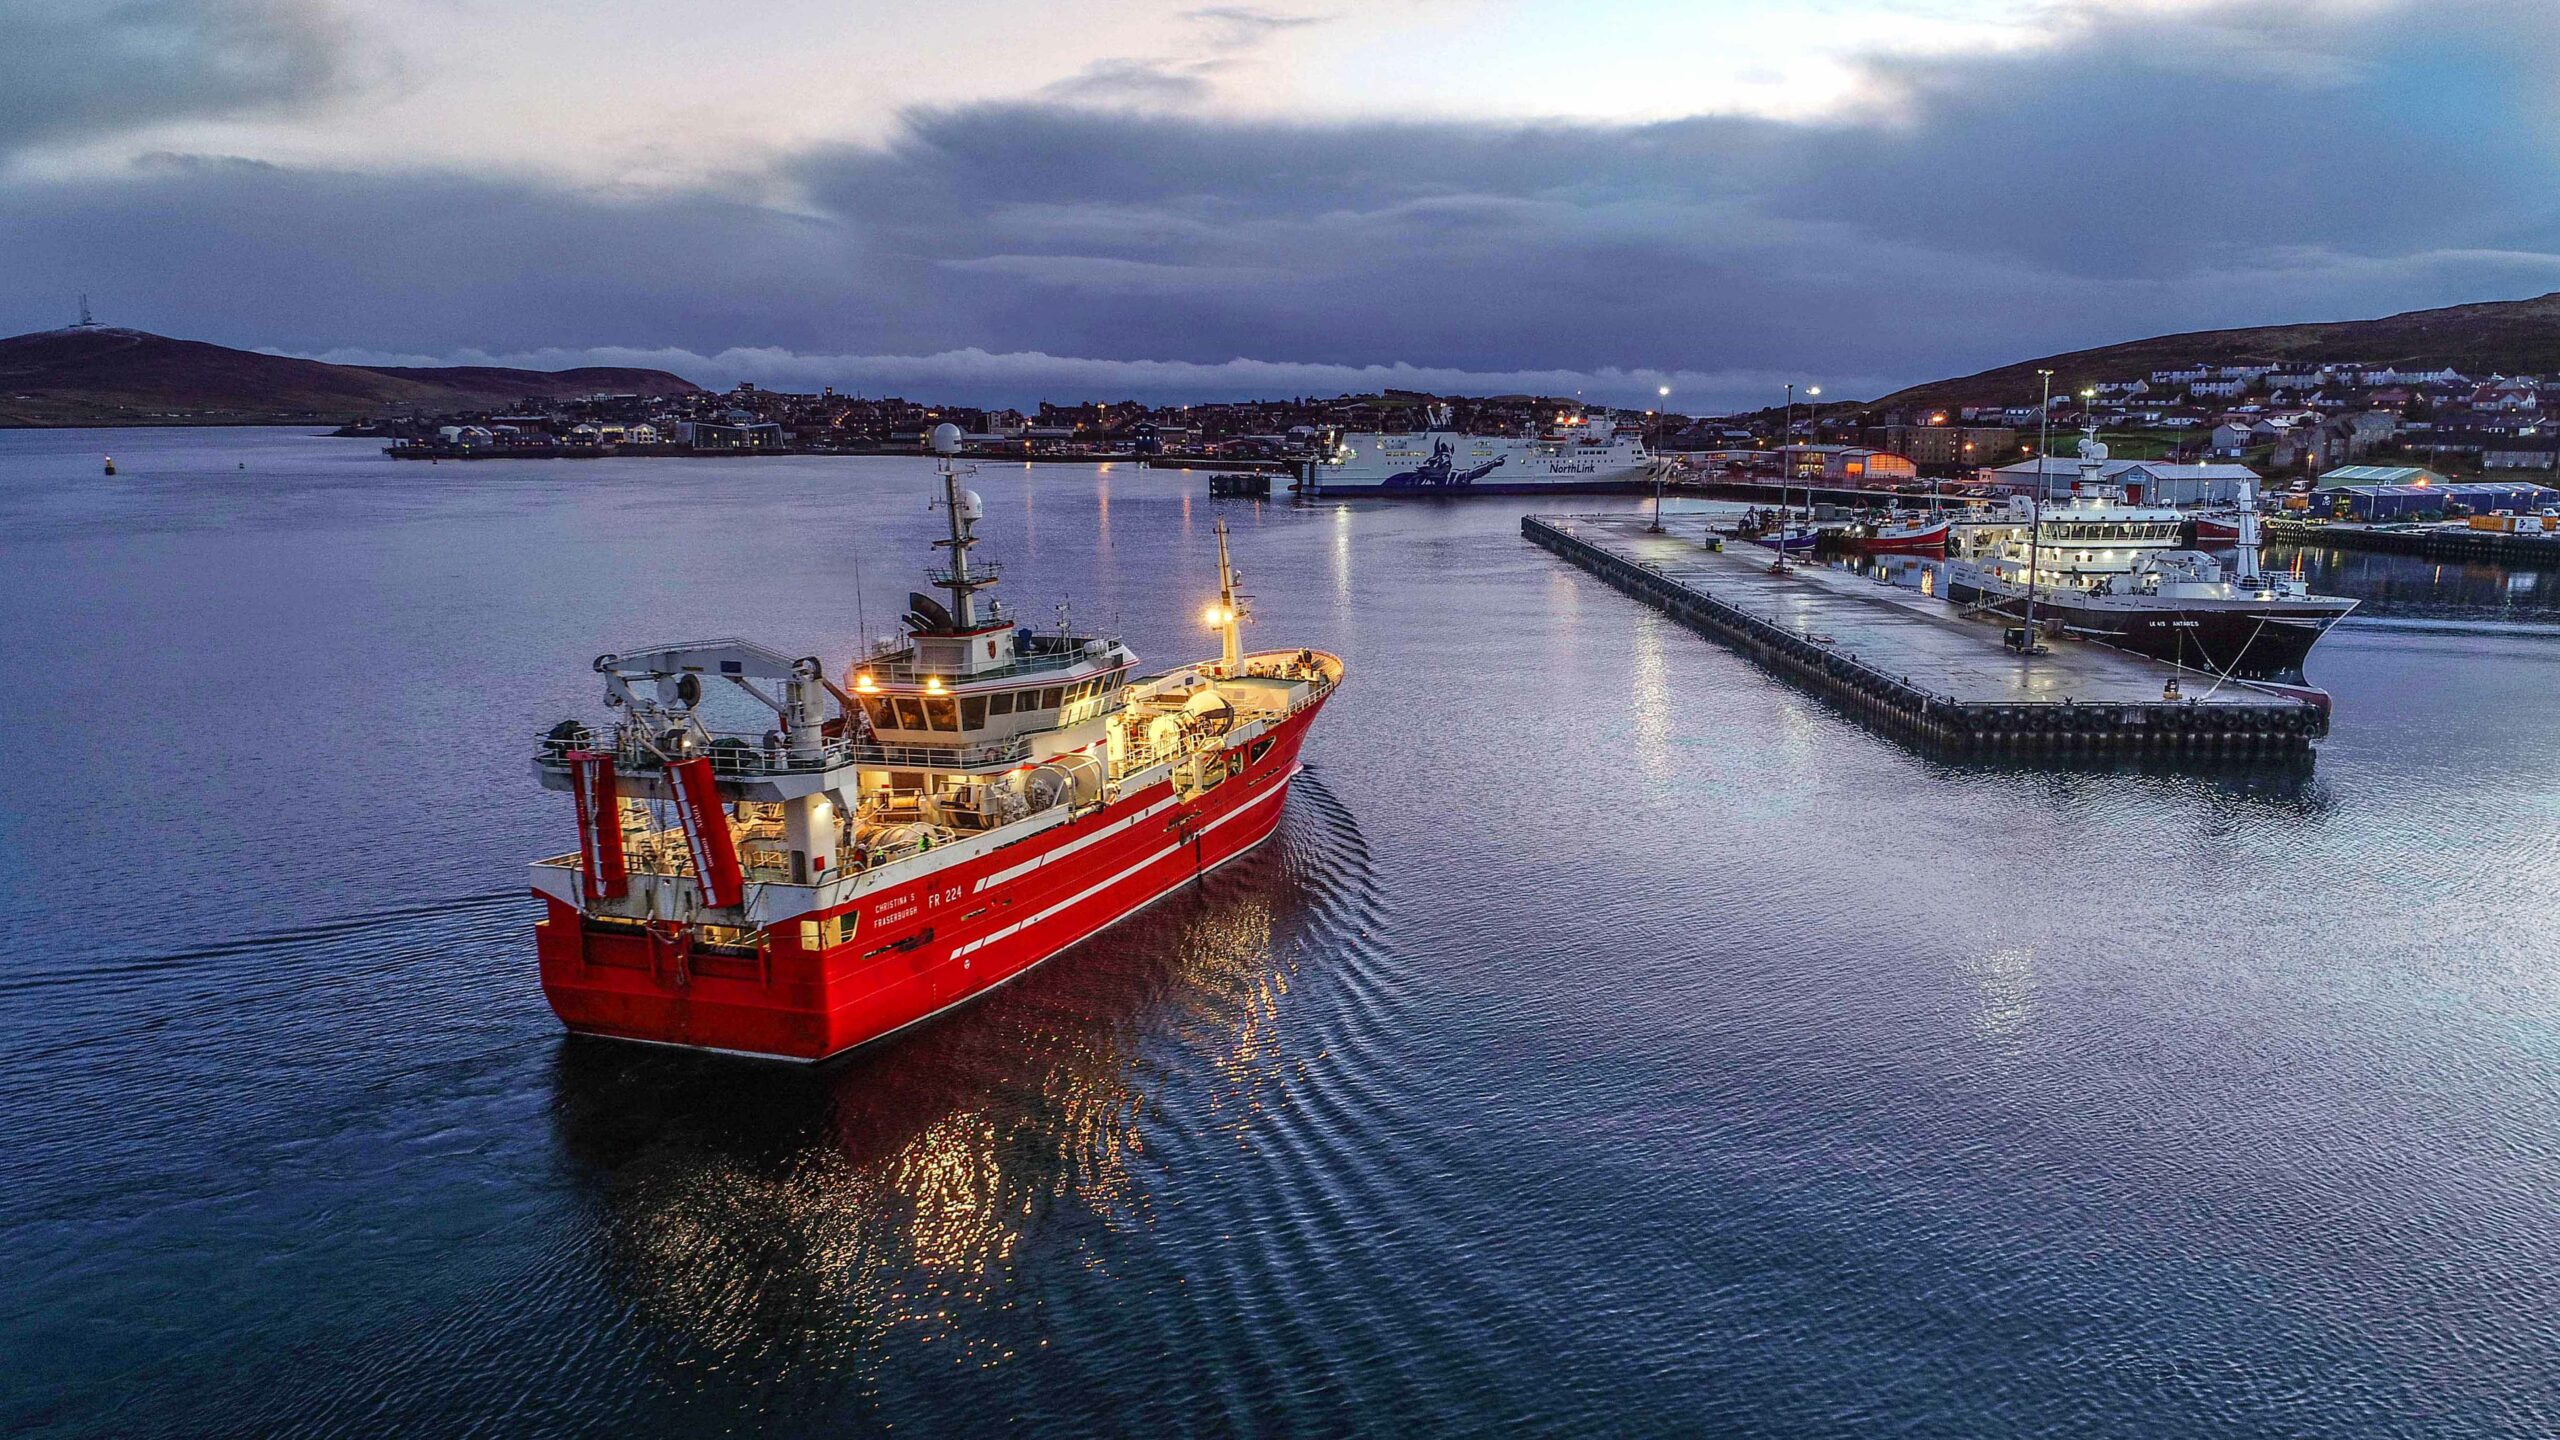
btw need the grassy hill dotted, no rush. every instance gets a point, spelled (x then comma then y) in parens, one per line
(94, 375)
(2509, 336)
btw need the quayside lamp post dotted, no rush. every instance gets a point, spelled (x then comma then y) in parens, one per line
(2035, 511)
(1662, 393)
(1786, 465)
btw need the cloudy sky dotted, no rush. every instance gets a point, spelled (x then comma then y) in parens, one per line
(1004, 200)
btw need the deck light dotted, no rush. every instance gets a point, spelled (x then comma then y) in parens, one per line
(863, 684)
(933, 684)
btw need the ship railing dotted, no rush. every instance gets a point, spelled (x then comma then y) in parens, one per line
(984, 756)
(981, 572)
(733, 754)
(882, 666)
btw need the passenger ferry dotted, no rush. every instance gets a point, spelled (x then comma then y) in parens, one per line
(1438, 460)
(2114, 572)
(981, 797)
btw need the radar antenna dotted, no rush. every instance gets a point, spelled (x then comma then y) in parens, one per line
(962, 508)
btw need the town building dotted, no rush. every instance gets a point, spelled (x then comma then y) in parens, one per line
(2527, 452)
(1942, 445)
(729, 434)
(2348, 477)
(2158, 482)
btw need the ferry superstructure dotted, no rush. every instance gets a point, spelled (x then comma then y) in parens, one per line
(981, 797)
(1440, 461)
(2115, 572)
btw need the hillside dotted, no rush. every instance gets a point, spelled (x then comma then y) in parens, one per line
(2509, 336)
(94, 375)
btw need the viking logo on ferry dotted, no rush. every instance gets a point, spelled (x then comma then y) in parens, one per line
(1442, 469)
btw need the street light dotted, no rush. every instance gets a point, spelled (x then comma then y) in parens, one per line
(1786, 449)
(1662, 393)
(2035, 510)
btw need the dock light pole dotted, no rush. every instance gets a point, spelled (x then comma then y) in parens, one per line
(1661, 393)
(2035, 508)
(1786, 451)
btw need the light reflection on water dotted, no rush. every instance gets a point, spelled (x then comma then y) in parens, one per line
(2413, 586)
(795, 1220)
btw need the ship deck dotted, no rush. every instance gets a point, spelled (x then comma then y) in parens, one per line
(1913, 665)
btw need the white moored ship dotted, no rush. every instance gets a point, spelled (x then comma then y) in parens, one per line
(2111, 571)
(1439, 460)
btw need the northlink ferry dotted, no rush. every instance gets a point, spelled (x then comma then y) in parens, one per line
(1438, 460)
(982, 797)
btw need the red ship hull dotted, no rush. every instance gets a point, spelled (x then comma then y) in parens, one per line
(918, 946)
(1931, 541)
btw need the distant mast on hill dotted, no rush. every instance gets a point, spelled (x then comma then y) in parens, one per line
(86, 321)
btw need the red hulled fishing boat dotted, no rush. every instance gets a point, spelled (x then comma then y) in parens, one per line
(1905, 535)
(965, 802)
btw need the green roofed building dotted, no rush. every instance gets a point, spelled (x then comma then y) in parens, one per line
(2354, 477)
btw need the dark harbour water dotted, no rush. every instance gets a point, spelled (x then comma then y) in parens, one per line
(1612, 1041)
(2412, 587)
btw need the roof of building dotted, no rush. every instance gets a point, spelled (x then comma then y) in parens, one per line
(2362, 475)
(2164, 470)
(2467, 489)
(2109, 470)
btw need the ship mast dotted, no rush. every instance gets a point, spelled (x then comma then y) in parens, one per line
(963, 515)
(2247, 540)
(1228, 615)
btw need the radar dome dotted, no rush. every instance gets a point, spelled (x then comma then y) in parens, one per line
(946, 439)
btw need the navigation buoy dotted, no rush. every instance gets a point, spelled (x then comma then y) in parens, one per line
(111, 464)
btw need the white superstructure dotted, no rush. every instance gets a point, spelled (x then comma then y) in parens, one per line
(1440, 460)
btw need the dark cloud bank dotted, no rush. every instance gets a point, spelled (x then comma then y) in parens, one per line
(2255, 164)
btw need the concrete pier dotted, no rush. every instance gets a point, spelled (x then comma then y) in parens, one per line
(1911, 665)
(2534, 547)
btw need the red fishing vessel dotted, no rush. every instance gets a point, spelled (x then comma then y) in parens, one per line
(2217, 528)
(1912, 536)
(981, 797)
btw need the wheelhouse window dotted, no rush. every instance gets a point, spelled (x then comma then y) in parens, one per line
(940, 713)
(1000, 703)
(910, 714)
(973, 712)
